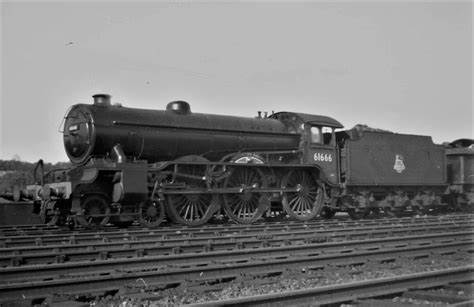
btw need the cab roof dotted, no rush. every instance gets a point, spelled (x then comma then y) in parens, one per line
(307, 119)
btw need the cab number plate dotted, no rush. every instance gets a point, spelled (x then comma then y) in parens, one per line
(320, 157)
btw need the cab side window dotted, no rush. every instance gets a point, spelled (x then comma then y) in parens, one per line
(327, 135)
(315, 135)
(321, 135)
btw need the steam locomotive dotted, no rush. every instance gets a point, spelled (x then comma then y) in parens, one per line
(154, 165)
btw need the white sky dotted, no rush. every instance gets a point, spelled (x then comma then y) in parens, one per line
(401, 66)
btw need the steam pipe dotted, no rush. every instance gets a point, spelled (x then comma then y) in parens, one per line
(117, 154)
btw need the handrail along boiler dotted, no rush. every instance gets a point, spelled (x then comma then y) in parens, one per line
(147, 165)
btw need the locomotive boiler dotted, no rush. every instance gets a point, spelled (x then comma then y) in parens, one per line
(173, 164)
(155, 135)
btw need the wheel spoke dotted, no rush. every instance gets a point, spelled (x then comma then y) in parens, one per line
(298, 205)
(307, 204)
(180, 206)
(199, 208)
(239, 213)
(293, 199)
(187, 206)
(239, 205)
(295, 203)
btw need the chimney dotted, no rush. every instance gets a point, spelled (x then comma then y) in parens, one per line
(102, 100)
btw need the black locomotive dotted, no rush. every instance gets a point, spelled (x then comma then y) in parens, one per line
(150, 165)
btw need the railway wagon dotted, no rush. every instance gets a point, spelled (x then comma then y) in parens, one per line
(151, 165)
(460, 172)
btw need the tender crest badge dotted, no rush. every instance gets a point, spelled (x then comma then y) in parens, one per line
(399, 165)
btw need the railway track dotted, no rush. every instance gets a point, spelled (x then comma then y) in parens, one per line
(109, 273)
(165, 262)
(348, 292)
(129, 244)
(50, 232)
(137, 249)
(18, 237)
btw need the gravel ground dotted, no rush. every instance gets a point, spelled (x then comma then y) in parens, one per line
(300, 279)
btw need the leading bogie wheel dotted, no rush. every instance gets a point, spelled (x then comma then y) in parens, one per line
(307, 201)
(95, 211)
(248, 204)
(151, 213)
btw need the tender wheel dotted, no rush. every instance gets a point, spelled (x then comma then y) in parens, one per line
(96, 212)
(151, 213)
(194, 206)
(247, 205)
(307, 202)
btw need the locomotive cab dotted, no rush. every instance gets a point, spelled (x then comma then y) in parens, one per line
(321, 149)
(318, 140)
